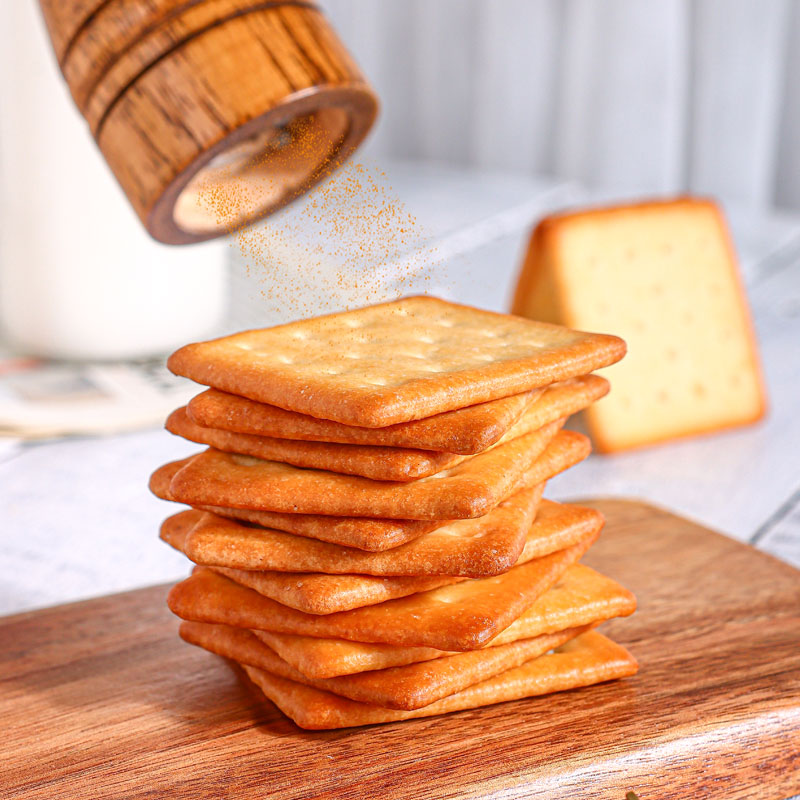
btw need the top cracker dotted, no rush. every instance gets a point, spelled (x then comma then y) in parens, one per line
(394, 362)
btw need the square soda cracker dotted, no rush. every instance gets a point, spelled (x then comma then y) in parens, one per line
(311, 592)
(465, 431)
(580, 597)
(361, 532)
(260, 549)
(483, 546)
(480, 548)
(384, 463)
(377, 463)
(664, 274)
(586, 660)
(394, 362)
(462, 616)
(470, 489)
(319, 593)
(412, 686)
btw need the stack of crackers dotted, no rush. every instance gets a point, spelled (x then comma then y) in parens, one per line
(367, 522)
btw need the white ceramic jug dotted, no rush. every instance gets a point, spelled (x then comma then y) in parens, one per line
(79, 277)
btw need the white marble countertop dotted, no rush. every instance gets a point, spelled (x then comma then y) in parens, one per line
(78, 520)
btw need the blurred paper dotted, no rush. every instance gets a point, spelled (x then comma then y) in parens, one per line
(43, 399)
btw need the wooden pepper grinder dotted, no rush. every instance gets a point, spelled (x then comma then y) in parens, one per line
(211, 113)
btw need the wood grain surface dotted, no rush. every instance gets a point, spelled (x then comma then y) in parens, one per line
(197, 101)
(258, 99)
(114, 28)
(100, 699)
(158, 42)
(64, 20)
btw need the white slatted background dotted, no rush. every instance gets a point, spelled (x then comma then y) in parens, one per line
(700, 95)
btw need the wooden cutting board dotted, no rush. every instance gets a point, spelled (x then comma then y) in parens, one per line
(102, 700)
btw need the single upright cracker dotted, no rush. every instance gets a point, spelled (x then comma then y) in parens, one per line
(470, 489)
(588, 659)
(394, 362)
(581, 596)
(462, 616)
(466, 430)
(408, 687)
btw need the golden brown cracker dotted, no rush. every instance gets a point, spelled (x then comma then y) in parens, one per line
(319, 593)
(384, 463)
(361, 532)
(175, 529)
(588, 659)
(470, 489)
(581, 596)
(559, 525)
(409, 687)
(462, 616)
(394, 362)
(487, 545)
(466, 430)
(374, 534)
(478, 548)
(484, 546)
(312, 592)
(377, 463)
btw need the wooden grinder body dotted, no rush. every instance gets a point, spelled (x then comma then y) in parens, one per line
(211, 113)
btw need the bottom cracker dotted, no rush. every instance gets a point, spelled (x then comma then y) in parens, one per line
(588, 659)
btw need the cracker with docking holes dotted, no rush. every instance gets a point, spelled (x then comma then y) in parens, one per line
(361, 532)
(452, 550)
(588, 659)
(581, 596)
(466, 548)
(377, 535)
(664, 275)
(384, 463)
(462, 616)
(486, 545)
(412, 686)
(465, 431)
(377, 463)
(312, 592)
(470, 489)
(319, 593)
(394, 362)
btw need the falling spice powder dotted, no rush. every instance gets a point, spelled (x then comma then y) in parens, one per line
(347, 242)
